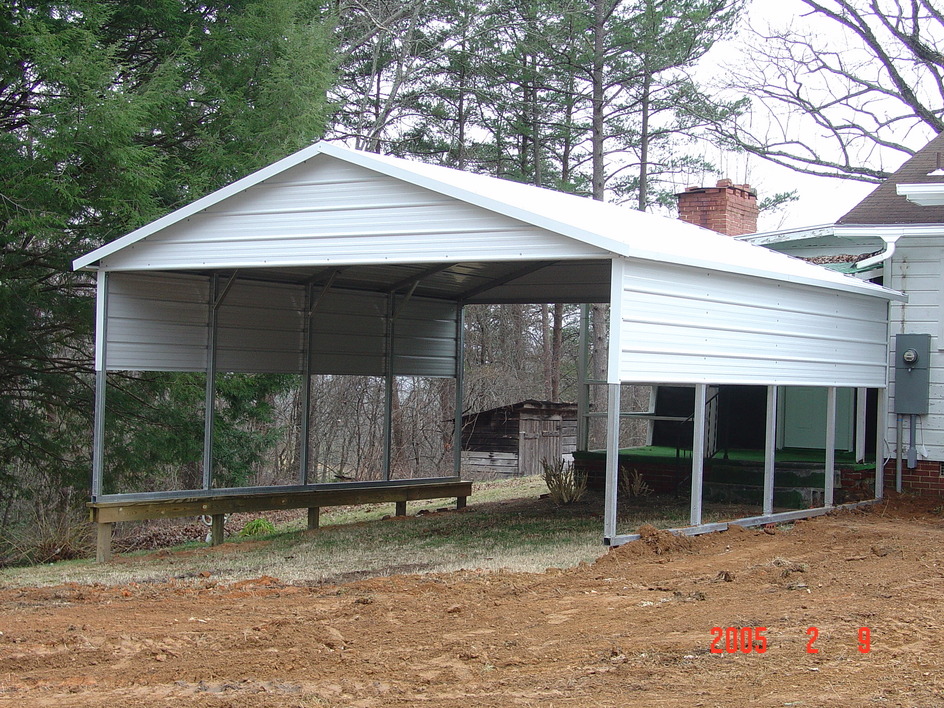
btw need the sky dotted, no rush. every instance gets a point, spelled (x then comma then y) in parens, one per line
(822, 200)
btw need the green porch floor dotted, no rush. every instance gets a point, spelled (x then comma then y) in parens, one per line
(788, 456)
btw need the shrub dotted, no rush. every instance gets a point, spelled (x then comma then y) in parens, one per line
(257, 527)
(632, 485)
(565, 484)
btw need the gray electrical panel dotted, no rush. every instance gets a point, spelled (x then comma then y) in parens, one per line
(912, 373)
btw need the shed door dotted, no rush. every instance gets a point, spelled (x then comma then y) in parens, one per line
(540, 439)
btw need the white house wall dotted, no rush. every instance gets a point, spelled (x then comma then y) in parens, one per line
(329, 212)
(159, 322)
(917, 268)
(690, 325)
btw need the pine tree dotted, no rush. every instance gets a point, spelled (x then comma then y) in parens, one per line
(112, 114)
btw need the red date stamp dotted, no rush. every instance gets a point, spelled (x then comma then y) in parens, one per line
(744, 640)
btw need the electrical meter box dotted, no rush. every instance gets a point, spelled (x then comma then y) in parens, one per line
(912, 373)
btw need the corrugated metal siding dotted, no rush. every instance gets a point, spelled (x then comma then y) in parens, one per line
(570, 282)
(158, 322)
(689, 325)
(332, 212)
(918, 269)
(260, 328)
(424, 342)
(348, 334)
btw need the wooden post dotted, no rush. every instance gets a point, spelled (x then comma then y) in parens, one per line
(401, 508)
(216, 529)
(461, 502)
(314, 517)
(103, 543)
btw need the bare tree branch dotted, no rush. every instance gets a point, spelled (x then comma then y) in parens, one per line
(862, 86)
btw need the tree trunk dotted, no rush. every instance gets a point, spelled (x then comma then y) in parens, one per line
(644, 143)
(557, 347)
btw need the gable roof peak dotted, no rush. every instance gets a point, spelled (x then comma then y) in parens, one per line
(885, 206)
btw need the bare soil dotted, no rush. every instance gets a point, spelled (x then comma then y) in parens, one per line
(633, 629)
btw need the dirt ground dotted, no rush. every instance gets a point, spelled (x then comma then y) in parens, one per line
(633, 629)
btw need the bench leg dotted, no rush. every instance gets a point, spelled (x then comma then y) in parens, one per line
(460, 502)
(103, 543)
(216, 529)
(314, 517)
(401, 508)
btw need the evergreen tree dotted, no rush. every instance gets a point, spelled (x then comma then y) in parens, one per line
(112, 114)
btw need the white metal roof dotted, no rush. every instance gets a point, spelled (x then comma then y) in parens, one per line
(598, 228)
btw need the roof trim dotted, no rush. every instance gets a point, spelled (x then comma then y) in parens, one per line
(768, 238)
(922, 194)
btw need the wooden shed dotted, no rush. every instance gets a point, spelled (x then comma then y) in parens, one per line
(513, 440)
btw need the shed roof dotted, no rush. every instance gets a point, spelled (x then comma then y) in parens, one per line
(235, 227)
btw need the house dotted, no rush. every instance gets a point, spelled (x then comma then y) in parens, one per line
(895, 236)
(513, 440)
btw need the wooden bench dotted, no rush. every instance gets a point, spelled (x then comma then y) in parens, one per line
(216, 505)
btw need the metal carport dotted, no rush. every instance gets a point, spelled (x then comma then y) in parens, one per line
(339, 261)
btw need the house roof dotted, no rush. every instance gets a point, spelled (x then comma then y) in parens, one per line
(598, 229)
(530, 403)
(885, 206)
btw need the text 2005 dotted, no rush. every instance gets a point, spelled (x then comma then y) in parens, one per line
(744, 640)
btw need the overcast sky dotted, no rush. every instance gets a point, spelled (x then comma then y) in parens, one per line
(821, 200)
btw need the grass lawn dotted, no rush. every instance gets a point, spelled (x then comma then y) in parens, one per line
(507, 525)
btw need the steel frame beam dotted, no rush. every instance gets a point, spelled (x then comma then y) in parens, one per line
(101, 382)
(460, 384)
(770, 450)
(830, 477)
(612, 461)
(778, 518)
(698, 452)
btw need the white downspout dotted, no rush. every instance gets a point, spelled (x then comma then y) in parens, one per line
(890, 241)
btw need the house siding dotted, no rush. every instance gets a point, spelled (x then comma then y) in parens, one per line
(918, 268)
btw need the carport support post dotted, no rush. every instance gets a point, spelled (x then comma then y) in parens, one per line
(583, 389)
(460, 380)
(210, 404)
(830, 480)
(612, 461)
(98, 430)
(305, 432)
(388, 390)
(770, 450)
(881, 427)
(698, 452)
(861, 414)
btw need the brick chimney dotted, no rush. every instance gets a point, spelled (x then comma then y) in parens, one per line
(727, 208)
